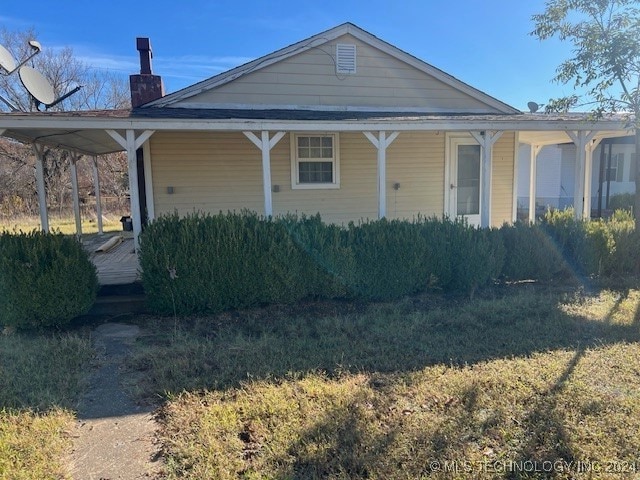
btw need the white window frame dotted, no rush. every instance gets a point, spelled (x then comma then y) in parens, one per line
(295, 171)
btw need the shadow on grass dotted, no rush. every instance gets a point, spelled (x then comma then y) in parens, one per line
(223, 351)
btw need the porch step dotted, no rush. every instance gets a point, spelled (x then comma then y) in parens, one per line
(118, 305)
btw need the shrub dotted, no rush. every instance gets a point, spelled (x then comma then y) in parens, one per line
(531, 254)
(596, 247)
(204, 263)
(45, 279)
(622, 201)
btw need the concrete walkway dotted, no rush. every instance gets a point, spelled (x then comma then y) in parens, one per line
(114, 438)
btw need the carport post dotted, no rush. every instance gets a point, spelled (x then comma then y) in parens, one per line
(96, 183)
(75, 195)
(42, 194)
(130, 143)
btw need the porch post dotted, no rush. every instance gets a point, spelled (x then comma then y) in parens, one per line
(486, 140)
(131, 143)
(265, 145)
(588, 171)
(381, 143)
(533, 175)
(75, 194)
(96, 185)
(42, 193)
(581, 140)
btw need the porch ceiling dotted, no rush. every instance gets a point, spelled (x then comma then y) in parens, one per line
(88, 142)
(557, 137)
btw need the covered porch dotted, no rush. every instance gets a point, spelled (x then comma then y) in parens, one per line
(94, 133)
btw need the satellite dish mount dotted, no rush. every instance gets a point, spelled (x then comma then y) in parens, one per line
(33, 81)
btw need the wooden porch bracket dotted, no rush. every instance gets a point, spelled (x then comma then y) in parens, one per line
(131, 143)
(265, 144)
(486, 139)
(381, 143)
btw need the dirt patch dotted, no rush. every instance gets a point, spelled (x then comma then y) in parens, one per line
(114, 437)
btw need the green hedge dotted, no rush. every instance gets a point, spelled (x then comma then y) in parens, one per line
(597, 247)
(45, 279)
(205, 263)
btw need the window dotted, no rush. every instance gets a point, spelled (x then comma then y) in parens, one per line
(314, 161)
(616, 172)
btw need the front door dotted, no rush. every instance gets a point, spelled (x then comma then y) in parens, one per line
(464, 189)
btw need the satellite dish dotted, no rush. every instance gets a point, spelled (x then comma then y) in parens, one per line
(8, 63)
(6, 60)
(533, 107)
(37, 85)
(40, 88)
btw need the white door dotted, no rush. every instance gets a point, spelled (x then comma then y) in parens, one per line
(464, 175)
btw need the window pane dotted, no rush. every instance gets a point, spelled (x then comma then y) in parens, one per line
(315, 172)
(327, 152)
(314, 141)
(468, 180)
(327, 141)
(315, 152)
(303, 141)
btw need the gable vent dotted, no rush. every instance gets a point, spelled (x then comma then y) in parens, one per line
(345, 58)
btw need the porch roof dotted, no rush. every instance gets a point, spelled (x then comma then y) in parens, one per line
(85, 131)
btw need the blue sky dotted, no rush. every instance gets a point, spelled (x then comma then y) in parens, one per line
(484, 43)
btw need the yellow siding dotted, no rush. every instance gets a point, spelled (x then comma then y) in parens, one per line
(310, 79)
(209, 172)
(502, 180)
(357, 197)
(213, 172)
(415, 160)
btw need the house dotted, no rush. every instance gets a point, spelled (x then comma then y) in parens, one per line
(342, 124)
(613, 174)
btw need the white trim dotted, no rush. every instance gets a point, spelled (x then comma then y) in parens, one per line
(295, 178)
(458, 138)
(438, 123)
(148, 180)
(321, 39)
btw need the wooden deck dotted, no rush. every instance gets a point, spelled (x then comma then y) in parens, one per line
(118, 266)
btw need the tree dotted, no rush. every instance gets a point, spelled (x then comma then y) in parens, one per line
(101, 90)
(605, 35)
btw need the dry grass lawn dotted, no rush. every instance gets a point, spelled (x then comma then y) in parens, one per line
(537, 384)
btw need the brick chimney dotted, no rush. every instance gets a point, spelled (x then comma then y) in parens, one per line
(145, 87)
